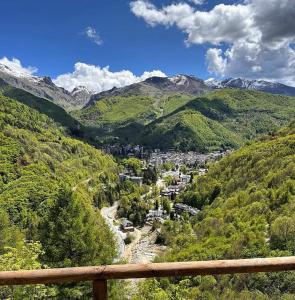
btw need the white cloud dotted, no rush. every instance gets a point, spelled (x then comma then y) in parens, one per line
(98, 79)
(258, 38)
(216, 63)
(198, 2)
(15, 67)
(91, 33)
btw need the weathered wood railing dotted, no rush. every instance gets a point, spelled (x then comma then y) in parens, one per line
(99, 275)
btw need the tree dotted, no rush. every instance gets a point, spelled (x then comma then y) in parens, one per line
(134, 164)
(24, 257)
(150, 175)
(10, 235)
(74, 234)
(166, 205)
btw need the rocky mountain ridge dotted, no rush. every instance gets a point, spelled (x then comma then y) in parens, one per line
(257, 85)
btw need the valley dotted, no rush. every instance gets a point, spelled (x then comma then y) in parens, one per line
(168, 169)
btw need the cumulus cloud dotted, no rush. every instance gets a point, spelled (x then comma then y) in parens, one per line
(251, 39)
(98, 79)
(91, 33)
(14, 66)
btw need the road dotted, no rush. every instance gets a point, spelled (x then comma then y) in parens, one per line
(109, 213)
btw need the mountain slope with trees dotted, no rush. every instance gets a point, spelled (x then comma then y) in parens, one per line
(221, 119)
(247, 203)
(51, 189)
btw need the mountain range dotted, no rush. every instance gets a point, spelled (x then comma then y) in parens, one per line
(43, 87)
(257, 85)
(181, 112)
(80, 96)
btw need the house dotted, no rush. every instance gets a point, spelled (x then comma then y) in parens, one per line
(202, 171)
(173, 188)
(182, 208)
(155, 215)
(127, 226)
(185, 178)
(135, 179)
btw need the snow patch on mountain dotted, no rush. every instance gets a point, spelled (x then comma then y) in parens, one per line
(257, 85)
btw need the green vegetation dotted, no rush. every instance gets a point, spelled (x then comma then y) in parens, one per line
(44, 106)
(248, 210)
(134, 204)
(189, 130)
(118, 111)
(134, 165)
(218, 120)
(50, 189)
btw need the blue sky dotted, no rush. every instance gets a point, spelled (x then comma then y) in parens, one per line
(242, 38)
(48, 35)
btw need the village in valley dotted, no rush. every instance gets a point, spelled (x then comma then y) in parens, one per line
(161, 178)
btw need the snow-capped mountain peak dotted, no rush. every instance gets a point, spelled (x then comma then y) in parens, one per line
(214, 83)
(80, 88)
(179, 79)
(16, 72)
(258, 85)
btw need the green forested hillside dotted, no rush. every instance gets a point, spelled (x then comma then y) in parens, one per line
(119, 111)
(248, 210)
(44, 106)
(220, 119)
(51, 189)
(238, 115)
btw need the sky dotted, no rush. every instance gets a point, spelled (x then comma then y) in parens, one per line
(106, 43)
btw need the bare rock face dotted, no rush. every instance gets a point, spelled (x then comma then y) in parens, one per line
(81, 95)
(257, 85)
(43, 87)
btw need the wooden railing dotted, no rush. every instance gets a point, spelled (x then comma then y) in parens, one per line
(99, 275)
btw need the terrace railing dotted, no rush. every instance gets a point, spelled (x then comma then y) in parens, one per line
(100, 274)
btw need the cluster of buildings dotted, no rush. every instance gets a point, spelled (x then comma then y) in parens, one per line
(160, 215)
(177, 182)
(180, 181)
(189, 159)
(157, 158)
(125, 150)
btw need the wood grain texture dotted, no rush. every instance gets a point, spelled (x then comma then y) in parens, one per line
(147, 270)
(100, 290)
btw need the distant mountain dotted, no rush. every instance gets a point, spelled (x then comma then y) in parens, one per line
(184, 112)
(81, 95)
(43, 87)
(42, 105)
(158, 87)
(218, 120)
(258, 85)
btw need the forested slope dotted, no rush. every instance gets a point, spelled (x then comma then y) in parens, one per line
(221, 119)
(51, 188)
(248, 210)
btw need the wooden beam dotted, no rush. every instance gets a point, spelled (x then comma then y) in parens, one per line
(100, 290)
(126, 271)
